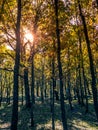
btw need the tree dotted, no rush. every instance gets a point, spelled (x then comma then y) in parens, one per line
(94, 87)
(16, 70)
(27, 92)
(68, 80)
(64, 118)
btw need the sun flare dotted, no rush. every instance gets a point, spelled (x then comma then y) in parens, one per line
(28, 37)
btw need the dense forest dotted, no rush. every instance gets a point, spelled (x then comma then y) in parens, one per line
(48, 64)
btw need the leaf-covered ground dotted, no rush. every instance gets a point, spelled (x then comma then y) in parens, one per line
(77, 119)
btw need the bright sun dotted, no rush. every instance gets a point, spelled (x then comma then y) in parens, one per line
(28, 37)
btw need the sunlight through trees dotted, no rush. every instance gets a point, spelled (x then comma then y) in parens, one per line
(49, 64)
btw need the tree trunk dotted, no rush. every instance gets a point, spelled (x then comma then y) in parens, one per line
(33, 81)
(32, 93)
(45, 89)
(52, 107)
(68, 81)
(94, 87)
(88, 89)
(77, 88)
(37, 91)
(80, 73)
(42, 84)
(81, 88)
(53, 88)
(14, 121)
(63, 112)
(8, 94)
(83, 71)
(22, 91)
(26, 85)
(1, 92)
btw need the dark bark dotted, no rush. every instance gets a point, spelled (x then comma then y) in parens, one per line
(88, 89)
(26, 85)
(53, 88)
(65, 84)
(42, 84)
(37, 17)
(56, 94)
(32, 115)
(81, 88)
(22, 92)
(32, 93)
(94, 87)
(8, 94)
(68, 81)
(86, 96)
(33, 81)
(1, 93)
(80, 71)
(45, 89)
(32, 87)
(77, 88)
(9, 90)
(14, 120)
(74, 90)
(37, 91)
(83, 72)
(63, 112)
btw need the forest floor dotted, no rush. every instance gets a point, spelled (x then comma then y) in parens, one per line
(76, 119)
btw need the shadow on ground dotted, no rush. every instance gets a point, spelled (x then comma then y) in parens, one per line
(77, 119)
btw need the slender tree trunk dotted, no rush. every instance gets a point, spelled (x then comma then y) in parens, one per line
(65, 84)
(1, 92)
(94, 87)
(45, 89)
(14, 121)
(32, 93)
(52, 107)
(77, 88)
(33, 81)
(50, 86)
(32, 87)
(32, 115)
(80, 73)
(87, 84)
(53, 88)
(42, 84)
(27, 92)
(68, 81)
(85, 89)
(83, 72)
(37, 91)
(7, 94)
(9, 89)
(22, 91)
(22, 59)
(81, 88)
(63, 112)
